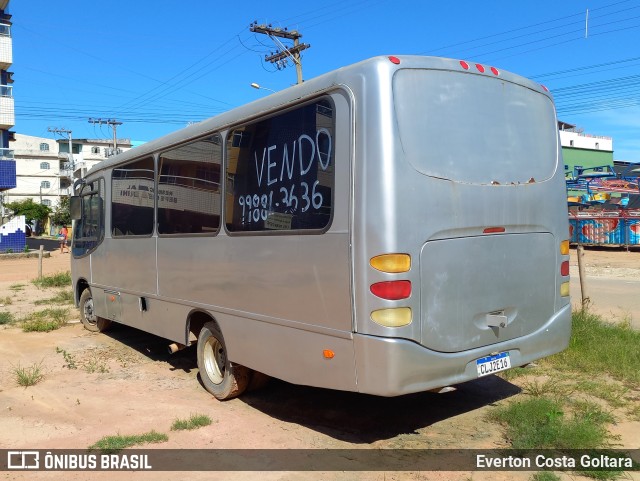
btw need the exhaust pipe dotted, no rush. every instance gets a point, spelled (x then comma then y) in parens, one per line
(175, 347)
(443, 390)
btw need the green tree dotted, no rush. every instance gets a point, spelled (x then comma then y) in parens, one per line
(61, 214)
(31, 210)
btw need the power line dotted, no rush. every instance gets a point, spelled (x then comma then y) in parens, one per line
(140, 107)
(166, 84)
(346, 8)
(578, 31)
(526, 27)
(183, 82)
(579, 69)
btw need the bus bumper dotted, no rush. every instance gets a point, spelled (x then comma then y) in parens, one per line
(392, 367)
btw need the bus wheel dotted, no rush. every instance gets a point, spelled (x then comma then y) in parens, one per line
(88, 316)
(220, 376)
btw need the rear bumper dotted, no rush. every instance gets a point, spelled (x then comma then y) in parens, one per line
(392, 367)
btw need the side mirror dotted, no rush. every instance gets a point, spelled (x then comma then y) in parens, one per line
(75, 207)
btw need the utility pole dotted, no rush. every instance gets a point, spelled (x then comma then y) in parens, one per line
(72, 163)
(56, 130)
(283, 52)
(113, 123)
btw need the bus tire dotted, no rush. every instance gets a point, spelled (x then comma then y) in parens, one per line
(221, 377)
(90, 320)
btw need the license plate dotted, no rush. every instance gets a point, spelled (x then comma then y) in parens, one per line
(490, 364)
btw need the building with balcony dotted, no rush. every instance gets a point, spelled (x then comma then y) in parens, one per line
(44, 170)
(7, 108)
(37, 171)
(86, 154)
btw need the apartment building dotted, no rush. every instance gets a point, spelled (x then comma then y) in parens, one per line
(7, 107)
(45, 171)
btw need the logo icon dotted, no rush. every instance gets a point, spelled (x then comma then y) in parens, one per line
(23, 460)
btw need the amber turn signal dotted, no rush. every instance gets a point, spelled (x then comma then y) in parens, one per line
(391, 263)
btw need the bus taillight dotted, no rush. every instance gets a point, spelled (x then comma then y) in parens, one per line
(564, 269)
(392, 290)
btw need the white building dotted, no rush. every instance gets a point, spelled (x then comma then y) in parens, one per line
(584, 152)
(580, 140)
(37, 171)
(44, 170)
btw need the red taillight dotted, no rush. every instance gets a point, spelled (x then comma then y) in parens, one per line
(392, 290)
(493, 230)
(544, 87)
(564, 268)
(480, 68)
(494, 71)
(464, 65)
(395, 60)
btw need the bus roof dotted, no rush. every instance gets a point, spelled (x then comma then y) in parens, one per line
(345, 76)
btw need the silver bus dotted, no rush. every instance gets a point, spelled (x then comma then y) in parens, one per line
(394, 226)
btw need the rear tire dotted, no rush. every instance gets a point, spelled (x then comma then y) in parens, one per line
(221, 377)
(90, 320)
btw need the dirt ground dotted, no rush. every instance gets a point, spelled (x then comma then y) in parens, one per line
(612, 282)
(125, 382)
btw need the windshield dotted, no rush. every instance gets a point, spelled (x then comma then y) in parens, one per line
(473, 128)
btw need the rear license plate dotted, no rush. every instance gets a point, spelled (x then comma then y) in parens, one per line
(490, 364)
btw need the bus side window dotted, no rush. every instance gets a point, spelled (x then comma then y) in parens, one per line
(280, 171)
(132, 199)
(189, 199)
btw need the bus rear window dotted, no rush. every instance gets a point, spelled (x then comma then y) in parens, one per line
(474, 129)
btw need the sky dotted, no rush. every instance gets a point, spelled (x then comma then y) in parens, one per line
(157, 66)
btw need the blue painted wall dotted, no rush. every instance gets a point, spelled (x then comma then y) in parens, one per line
(7, 174)
(12, 235)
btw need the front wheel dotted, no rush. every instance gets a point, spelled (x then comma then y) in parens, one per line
(221, 377)
(88, 315)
